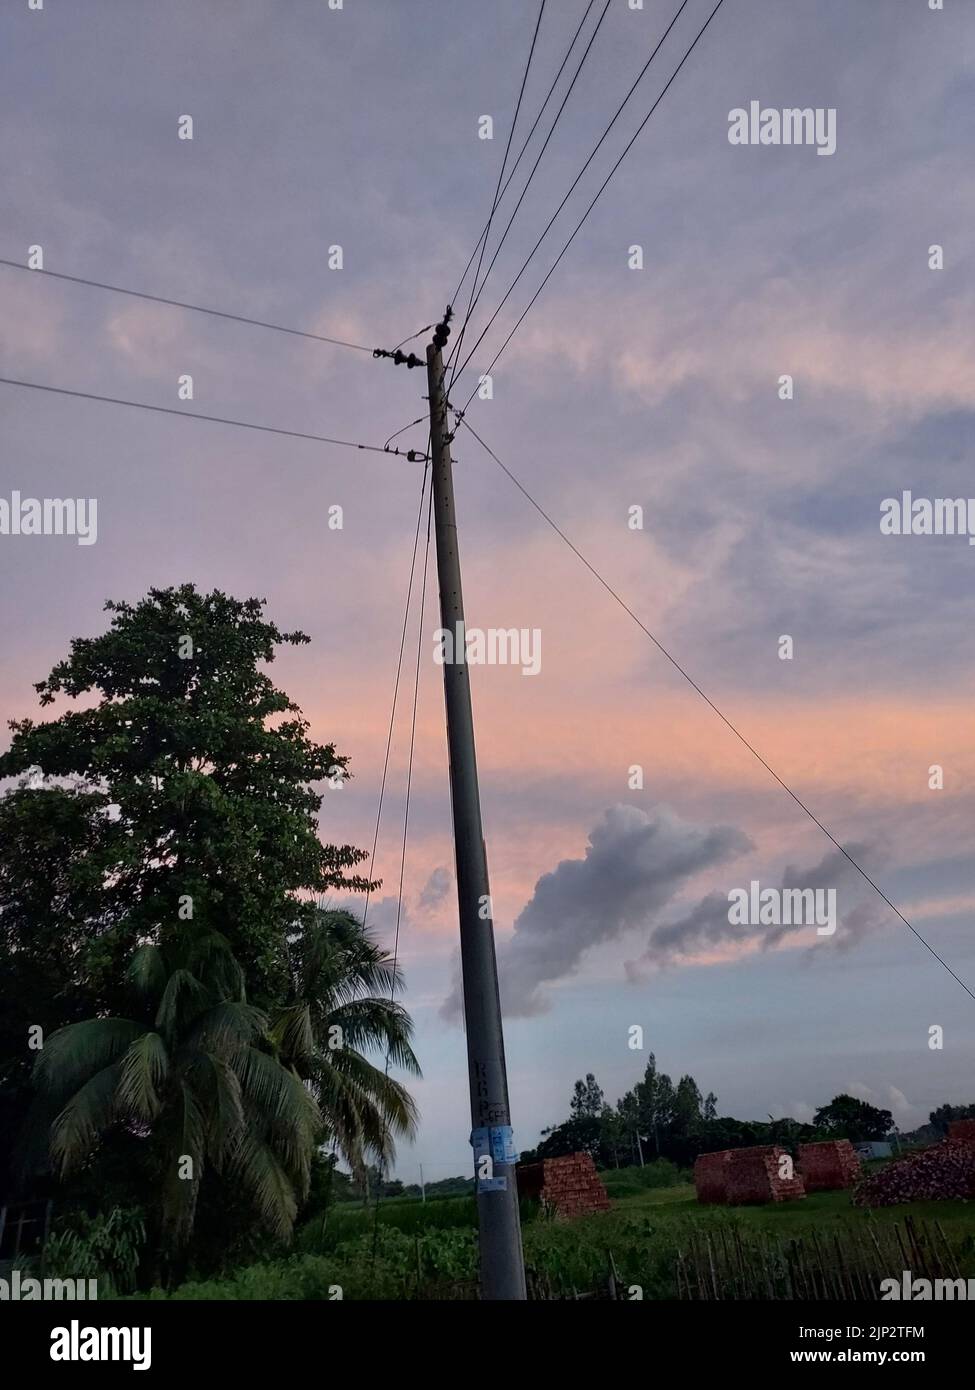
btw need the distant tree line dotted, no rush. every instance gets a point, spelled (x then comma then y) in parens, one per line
(661, 1119)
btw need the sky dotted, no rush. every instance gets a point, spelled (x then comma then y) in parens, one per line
(656, 388)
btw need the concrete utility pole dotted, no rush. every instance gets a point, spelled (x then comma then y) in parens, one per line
(502, 1262)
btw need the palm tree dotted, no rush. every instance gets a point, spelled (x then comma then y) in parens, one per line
(193, 1075)
(342, 1005)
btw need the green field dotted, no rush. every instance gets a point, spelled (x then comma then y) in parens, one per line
(429, 1249)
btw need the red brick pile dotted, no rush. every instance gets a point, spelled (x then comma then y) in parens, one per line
(945, 1170)
(744, 1176)
(711, 1176)
(569, 1185)
(963, 1130)
(828, 1166)
(753, 1176)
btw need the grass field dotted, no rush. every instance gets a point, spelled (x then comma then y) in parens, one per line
(431, 1248)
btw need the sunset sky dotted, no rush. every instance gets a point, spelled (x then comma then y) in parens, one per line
(656, 388)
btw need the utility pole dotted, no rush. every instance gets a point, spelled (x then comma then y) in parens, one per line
(423, 1190)
(499, 1226)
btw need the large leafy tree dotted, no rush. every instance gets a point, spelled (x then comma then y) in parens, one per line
(184, 785)
(848, 1118)
(174, 800)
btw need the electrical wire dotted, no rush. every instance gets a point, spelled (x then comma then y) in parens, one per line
(595, 200)
(399, 668)
(504, 163)
(711, 705)
(182, 304)
(521, 199)
(406, 827)
(194, 415)
(582, 171)
(528, 140)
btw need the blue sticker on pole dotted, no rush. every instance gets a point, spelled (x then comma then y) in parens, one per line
(496, 1145)
(502, 1139)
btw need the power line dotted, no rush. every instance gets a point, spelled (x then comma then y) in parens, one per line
(399, 668)
(710, 703)
(504, 162)
(425, 329)
(195, 415)
(181, 304)
(592, 156)
(406, 826)
(514, 167)
(595, 200)
(558, 114)
(395, 435)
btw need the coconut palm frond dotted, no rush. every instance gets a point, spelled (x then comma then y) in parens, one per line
(183, 998)
(147, 972)
(90, 1111)
(225, 1027)
(261, 1174)
(380, 1025)
(77, 1052)
(291, 1031)
(142, 1072)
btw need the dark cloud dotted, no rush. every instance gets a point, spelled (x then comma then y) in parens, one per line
(434, 890)
(634, 864)
(859, 911)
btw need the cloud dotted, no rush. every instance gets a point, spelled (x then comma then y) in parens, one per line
(434, 890)
(906, 1115)
(799, 1110)
(634, 864)
(707, 926)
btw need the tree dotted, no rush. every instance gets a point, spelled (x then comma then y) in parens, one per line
(341, 1004)
(190, 1074)
(848, 1118)
(184, 789)
(587, 1099)
(687, 1107)
(943, 1116)
(655, 1103)
(175, 807)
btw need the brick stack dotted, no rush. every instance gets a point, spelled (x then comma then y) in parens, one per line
(828, 1166)
(569, 1185)
(753, 1177)
(943, 1171)
(963, 1130)
(711, 1176)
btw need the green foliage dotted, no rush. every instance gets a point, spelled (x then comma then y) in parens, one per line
(190, 1074)
(340, 1004)
(106, 1247)
(630, 1182)
(848, 1118)
(209, 772)
(941, 1118)
(346, 1222)
(157, 864)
